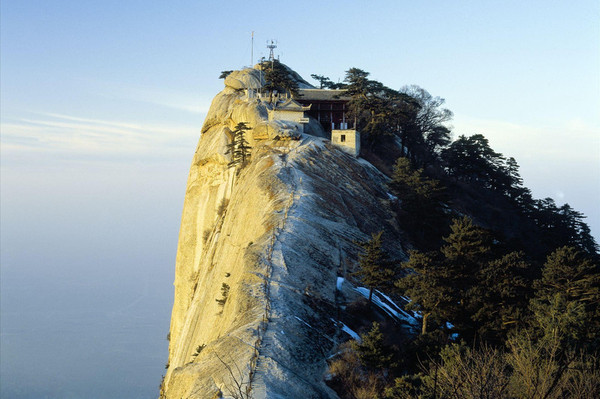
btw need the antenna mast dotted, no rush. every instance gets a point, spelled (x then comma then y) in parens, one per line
(252, 51)
(271, 47)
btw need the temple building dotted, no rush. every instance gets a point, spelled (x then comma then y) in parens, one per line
(291, 111)
(330, 108)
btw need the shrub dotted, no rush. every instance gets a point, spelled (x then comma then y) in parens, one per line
(199, 350)
(224, 293)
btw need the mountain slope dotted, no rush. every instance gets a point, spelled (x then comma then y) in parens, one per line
(278, 234)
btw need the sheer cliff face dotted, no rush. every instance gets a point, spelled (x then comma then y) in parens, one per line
(259, 253)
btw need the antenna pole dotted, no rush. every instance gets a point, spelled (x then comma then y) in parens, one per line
(252, 51)
(271, 47)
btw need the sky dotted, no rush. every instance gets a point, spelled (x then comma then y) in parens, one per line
(101, 108)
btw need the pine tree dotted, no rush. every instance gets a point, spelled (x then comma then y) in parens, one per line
(371, 351)
(373, 106)
(375, 267)
(239, 148)
(468, 250)
(428, 283)
(500, 296)
(472, 159)
(277, 77)
(440, 284)
(571, 280)
(467, 244)
(569, 272)
(421, 202)
(224, 74)
(324, 81)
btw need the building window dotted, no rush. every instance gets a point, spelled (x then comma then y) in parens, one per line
(343, 138)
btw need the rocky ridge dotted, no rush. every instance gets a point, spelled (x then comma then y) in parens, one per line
(260, 253)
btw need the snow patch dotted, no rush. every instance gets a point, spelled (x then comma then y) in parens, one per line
(350, 332)
(347, 330)
(388, 306)
(338, 285)
(303, 321)
(416, 315)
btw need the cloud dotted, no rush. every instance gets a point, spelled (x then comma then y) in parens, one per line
(189, 101)
(82, 136)
(194, 106)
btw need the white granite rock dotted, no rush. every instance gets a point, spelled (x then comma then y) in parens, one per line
(278, 234)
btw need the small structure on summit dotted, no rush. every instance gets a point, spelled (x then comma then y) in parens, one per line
(347, 139)
(330, 108)
(290, 111)
(291, 100)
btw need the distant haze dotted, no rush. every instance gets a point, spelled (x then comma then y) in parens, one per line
(102, 105)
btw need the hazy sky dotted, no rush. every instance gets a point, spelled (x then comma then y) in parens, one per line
(101, 108)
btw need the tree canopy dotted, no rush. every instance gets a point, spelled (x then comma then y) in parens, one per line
(278, 78)
(516, 278)
(224, 74)
(326, 83)
(421, 201)
(375, 269)
(468, 282)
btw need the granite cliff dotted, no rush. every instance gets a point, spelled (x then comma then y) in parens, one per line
(262, 252)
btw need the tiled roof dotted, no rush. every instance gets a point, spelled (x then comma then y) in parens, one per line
(321, 95)
(291, 105)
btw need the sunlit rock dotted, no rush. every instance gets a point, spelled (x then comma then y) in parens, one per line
(260, 252)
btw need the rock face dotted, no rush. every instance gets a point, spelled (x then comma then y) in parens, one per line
(259, 254)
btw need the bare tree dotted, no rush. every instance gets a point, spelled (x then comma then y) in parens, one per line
(468, 373)
(239, 387)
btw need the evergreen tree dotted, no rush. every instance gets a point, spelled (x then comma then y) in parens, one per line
(374, 265)
(571, 280)
(239, 148)
(551, 358)
(421, 201)
(371, 350)
(574, 231)
(500, 296)
(408, 182)
(374, 107)
(278, 78)
(428, 283)
(515, 182)
(324, 81)
(358, 84)
(440, 284)
(224, 74)
(571, 273)
(472, 159)
(467, 244)
(468, 249)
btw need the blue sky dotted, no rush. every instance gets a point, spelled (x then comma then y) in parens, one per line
(102, 105)
(120, 80)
